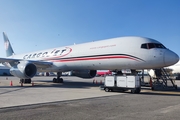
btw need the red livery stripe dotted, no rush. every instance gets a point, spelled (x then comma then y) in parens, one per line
(96, 58)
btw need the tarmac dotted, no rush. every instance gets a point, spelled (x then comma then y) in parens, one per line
(80, 98)
(42, 90)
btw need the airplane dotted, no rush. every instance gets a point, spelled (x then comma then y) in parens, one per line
(130, 52)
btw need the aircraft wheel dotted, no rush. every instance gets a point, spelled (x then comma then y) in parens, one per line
(54, 80)
(152, 88)
(21, 80)
(61, 80)
(176, 87)
(27, 80)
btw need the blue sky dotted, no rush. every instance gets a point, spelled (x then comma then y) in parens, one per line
(41, 24)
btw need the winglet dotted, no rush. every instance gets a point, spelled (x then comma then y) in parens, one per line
(7, 44)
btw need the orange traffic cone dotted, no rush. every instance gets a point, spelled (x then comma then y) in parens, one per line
(11, 84)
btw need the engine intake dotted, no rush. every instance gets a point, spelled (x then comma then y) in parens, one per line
(24, 70)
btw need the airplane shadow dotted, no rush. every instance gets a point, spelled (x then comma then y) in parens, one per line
(49, 83)
(67, 84)
(86, 85)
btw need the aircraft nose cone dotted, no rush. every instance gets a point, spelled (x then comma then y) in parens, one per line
(170, 58)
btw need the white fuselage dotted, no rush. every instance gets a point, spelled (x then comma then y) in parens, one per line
(111, 54)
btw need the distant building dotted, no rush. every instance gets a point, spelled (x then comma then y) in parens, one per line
(4, 71)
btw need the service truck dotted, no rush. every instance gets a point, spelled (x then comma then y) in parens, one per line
(122, 83)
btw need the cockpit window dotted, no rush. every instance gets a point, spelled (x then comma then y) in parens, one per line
(160, 46)
(152, 45)
(144, 46)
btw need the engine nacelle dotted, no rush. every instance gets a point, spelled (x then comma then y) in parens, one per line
(24, 70)
(85, 73)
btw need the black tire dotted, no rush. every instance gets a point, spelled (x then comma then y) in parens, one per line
(111, 90)
(123, 90)
(29, 81)
(54, 80)
(152, 88)
(176, 87)
(21, 80)
(106, 89)
(133, 91)
(61, 80)
(138, 90)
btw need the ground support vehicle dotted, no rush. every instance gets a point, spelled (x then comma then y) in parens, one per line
(122, 83)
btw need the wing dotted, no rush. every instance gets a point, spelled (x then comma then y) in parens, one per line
(39, 64)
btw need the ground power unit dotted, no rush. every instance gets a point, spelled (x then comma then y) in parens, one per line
(122, 83)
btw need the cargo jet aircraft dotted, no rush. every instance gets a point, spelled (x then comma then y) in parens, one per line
(85, 59)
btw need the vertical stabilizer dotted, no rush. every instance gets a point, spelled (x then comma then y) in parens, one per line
(7, 45)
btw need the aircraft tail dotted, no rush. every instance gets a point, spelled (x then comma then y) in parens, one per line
(7, 44)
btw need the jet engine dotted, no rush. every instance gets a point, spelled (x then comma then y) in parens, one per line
(24, 70)
(85, 73)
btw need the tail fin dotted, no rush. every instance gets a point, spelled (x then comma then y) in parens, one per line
(7, 44)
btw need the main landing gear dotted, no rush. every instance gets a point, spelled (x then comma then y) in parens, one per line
(58, 79)
(25, 81)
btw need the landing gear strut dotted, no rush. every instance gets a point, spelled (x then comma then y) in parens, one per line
(58, 79)
(25, 81)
